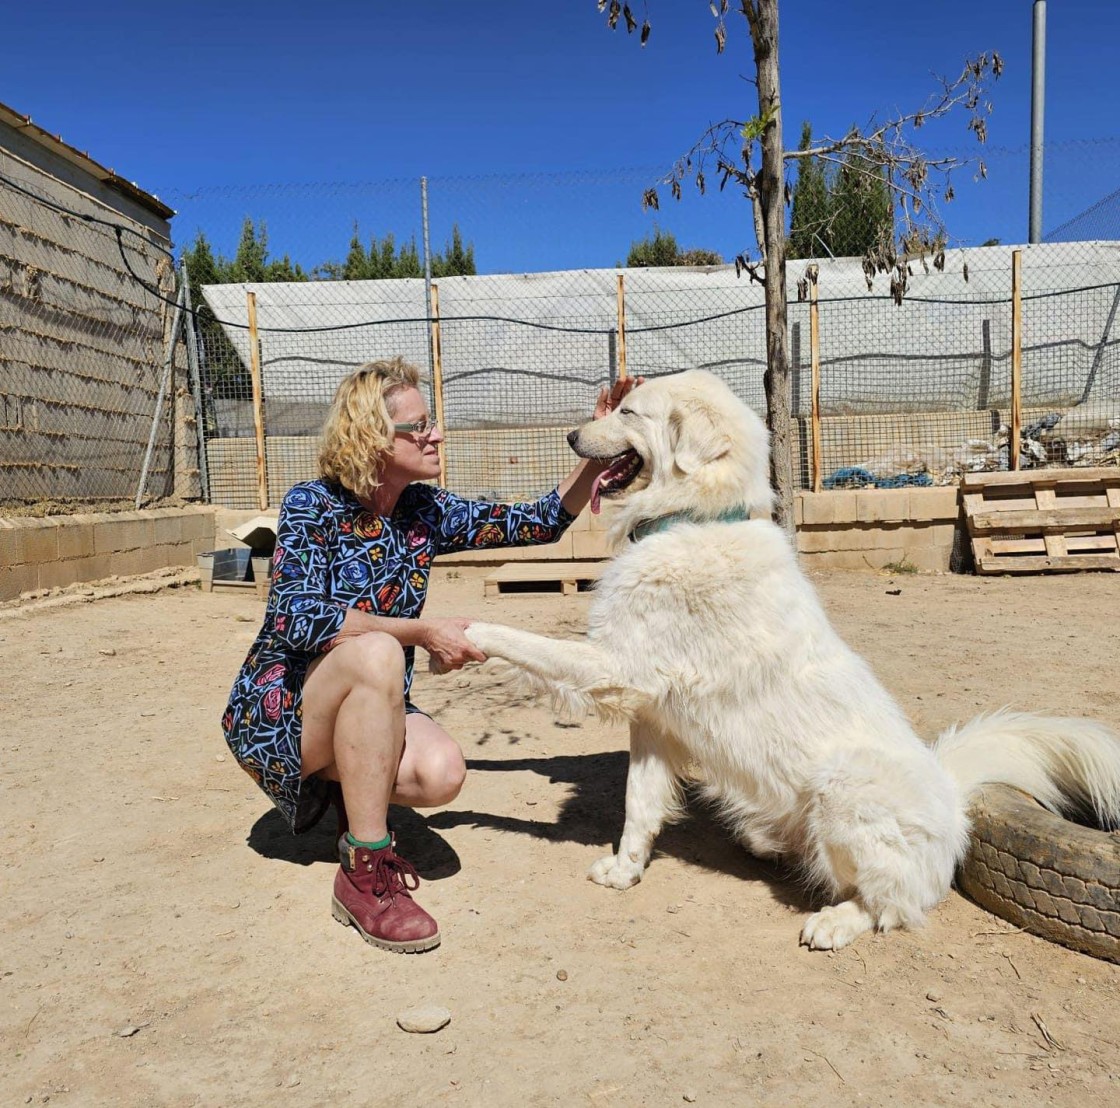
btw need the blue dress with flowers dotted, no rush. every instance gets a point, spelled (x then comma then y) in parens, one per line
(333, 554)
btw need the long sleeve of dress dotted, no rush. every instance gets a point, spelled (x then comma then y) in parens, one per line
(302, 619)
(472, 524)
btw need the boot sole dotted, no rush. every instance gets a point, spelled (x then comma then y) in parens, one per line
(407, 946)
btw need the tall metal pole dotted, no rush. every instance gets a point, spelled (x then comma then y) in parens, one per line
(427, 269)
(1038, 106)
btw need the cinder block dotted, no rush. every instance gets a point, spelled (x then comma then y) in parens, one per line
(938, 503)
(11, 546)
(17, 579)
(589, 545)
(875, 505)
(167, 529)
(40, 542)
(129, 531)
(75, 540)
(130, 563)
(816, 540)
(828, 507)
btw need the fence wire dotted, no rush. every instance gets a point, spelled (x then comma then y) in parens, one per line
(84, 342)
(910, 393)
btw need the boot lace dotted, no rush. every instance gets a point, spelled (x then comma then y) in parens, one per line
(393, 875)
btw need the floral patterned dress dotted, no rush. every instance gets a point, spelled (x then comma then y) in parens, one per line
(332, 554)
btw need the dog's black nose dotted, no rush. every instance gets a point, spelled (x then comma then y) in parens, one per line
(572, 436)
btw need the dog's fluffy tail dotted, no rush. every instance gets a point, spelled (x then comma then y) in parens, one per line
(1071, 766)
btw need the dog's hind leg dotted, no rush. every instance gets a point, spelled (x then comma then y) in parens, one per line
(858, 848)
(652, 799)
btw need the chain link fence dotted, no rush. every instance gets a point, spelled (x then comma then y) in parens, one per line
(916, 392)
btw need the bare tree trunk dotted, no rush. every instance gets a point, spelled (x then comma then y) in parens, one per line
(762, 16)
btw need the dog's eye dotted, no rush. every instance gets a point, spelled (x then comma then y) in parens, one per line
(626, 411)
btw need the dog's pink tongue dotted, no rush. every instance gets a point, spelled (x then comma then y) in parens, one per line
(595, 494)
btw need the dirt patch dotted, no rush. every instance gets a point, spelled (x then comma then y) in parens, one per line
(166, 942)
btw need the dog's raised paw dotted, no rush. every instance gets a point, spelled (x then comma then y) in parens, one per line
(607, 871)
(835, 927)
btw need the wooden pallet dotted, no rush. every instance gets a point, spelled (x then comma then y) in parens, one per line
(1035, 521)
(521, 577)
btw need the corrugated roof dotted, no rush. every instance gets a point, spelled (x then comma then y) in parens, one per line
(56, 145)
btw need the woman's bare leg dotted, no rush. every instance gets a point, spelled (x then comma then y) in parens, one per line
(354, 726)
(432, 768)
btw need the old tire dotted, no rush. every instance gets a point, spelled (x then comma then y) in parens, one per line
(1043, 873)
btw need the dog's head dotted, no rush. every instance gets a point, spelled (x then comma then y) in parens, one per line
(681, 443)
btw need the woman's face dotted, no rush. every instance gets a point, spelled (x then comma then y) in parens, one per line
(414, 457)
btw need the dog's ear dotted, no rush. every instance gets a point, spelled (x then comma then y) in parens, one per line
(696, 436)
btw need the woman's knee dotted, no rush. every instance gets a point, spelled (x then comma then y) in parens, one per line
(441, 773)
(374, 659)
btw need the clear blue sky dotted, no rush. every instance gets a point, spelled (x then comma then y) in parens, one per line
(184, 99)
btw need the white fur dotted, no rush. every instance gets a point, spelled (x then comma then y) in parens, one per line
(709, 638)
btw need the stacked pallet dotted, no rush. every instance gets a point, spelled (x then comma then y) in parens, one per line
(1037, 521)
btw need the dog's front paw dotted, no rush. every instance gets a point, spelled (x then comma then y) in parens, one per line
(480, 635)
(614, 873)
(835, 927)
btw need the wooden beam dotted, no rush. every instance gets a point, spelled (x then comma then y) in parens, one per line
(258, 399)
(815, 367)
(1086, 476)
(1054, 519)
(437, 382)
(621, 328)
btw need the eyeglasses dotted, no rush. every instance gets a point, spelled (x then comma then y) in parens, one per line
(425, 427)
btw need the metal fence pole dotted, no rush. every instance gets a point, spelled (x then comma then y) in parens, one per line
(1038, 107)
(1016, 358)
(164, 377)
(190, 334)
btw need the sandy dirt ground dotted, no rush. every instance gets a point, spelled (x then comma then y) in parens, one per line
(166, 942)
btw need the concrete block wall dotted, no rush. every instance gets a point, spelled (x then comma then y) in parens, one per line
(51, 552)
(874, 528)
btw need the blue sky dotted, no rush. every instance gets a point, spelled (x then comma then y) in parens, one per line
(537, 126)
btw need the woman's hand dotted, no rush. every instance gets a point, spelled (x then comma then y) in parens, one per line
(449, 648)
(609, 399)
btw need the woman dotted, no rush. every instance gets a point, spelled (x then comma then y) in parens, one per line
(322, 701)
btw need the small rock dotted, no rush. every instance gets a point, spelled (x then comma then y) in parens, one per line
(933, 995)
(110, 653)
(423, 1020)
(1081, 980)
(894, 592)
(561, 975)
(127, 1032)
(690, 1098)
(220, 758)
(673, 909)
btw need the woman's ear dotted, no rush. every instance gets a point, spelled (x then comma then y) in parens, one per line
(695, 436)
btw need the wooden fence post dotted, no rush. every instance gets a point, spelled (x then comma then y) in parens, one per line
(437, 384)
(621, 328)
(813, 272)
(1016, 358)
(258, 399)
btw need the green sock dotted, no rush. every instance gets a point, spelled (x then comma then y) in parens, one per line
(369, 846)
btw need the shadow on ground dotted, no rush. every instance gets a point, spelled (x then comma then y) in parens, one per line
(431, 854)
(593, 813)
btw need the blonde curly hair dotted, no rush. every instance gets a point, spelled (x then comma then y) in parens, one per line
(358, 432)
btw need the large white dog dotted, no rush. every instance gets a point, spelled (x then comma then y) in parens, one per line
(707, 636)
